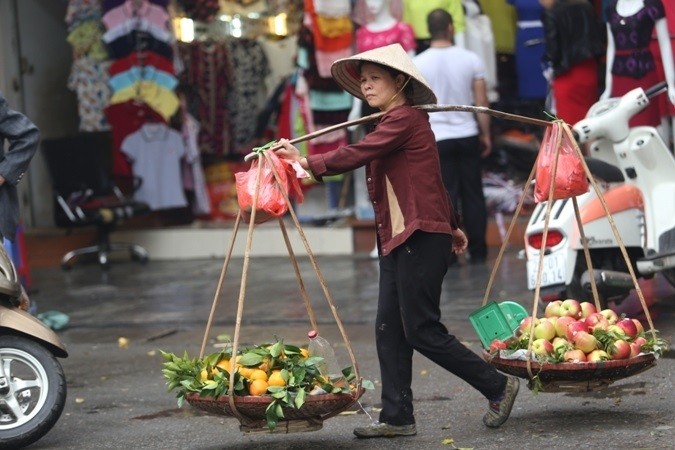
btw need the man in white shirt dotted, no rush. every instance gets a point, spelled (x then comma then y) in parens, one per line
(457, 77)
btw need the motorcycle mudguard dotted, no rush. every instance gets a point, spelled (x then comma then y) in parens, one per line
(25, 323)
(626, 205)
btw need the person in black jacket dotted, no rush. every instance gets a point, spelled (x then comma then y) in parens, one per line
(574, 43)
(23, 137)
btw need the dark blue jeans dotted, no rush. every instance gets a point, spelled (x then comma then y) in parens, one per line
(409, 318)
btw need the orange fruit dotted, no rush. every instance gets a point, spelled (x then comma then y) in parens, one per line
(257, 387)
(258, 374)
(204, 375)
(246, 371)
(276, 379)
(304, 352)
(265, 366)
(224, 364)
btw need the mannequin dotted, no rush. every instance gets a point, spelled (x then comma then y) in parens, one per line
(632, 65)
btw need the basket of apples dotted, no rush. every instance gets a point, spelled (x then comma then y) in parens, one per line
(575, 347)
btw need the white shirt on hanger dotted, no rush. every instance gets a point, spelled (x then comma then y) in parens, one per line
(155, 152)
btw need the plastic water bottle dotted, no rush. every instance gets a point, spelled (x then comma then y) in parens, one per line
(329, 367)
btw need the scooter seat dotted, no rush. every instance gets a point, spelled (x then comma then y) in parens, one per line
(605, 171)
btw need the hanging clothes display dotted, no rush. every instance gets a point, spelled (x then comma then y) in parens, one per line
(126, 118)
(208, 70)
(191, 167)
(142, 76)
(155, 152)
(530, 49)
(88, 76)
(250, 68)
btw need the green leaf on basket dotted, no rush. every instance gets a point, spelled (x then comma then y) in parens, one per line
(250, 359)
(276, 349)
(300, 398)
(367, 384)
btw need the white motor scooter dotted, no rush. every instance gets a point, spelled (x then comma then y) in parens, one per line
(637, 172)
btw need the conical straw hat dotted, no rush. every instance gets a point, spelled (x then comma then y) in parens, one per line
(345, 71)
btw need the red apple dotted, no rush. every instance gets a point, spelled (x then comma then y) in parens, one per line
(574, 355)
(634, 349)
(561, 325)
(542, 347)
(641, 340)
(628, 327)
(639, 326)
(570, 307)
(596, 320)
(560, 342)
(617, 331)
(526, 324)
(584, 341)
(619, 349)
(497, 345)
(597, 355)
(553, 309)
(575, 327)
(587, 308)
(544, 330)
(611, 316)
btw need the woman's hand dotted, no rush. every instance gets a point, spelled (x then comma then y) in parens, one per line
(459, 241)
(287, 150)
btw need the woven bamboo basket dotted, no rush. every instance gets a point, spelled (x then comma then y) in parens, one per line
(584, 376)
(309, 417)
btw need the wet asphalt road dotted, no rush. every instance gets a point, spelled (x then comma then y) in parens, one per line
(117, 397)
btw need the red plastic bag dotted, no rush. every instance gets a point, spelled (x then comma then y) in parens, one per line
(570, 178)
(271, 202)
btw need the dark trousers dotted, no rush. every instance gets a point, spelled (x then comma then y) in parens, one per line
(409, 318)
(461, 168)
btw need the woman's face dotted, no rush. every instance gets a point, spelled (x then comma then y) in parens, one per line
(378, 86)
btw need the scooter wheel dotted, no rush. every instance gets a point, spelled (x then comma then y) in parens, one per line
(32, 391)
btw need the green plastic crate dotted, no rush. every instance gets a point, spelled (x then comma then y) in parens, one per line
(494, 321)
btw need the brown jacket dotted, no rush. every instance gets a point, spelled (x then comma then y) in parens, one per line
(402, 174)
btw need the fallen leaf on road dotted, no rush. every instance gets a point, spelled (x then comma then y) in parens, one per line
(123, 342)
(79, 400)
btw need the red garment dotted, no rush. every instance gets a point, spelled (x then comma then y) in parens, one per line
(402, 174)
(576, 90)
(651, 114)
(141, 59)
(126, 118)
(666, 109)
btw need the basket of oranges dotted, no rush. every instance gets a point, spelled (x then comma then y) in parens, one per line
(274, 387)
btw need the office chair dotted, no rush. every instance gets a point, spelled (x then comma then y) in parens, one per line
(86, 195)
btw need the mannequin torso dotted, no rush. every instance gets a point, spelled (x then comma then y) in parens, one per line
(629, 28)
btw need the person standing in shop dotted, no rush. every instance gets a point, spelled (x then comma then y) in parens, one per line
(574, 43)
(457, 76)
(417, 232)
(23, 137)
